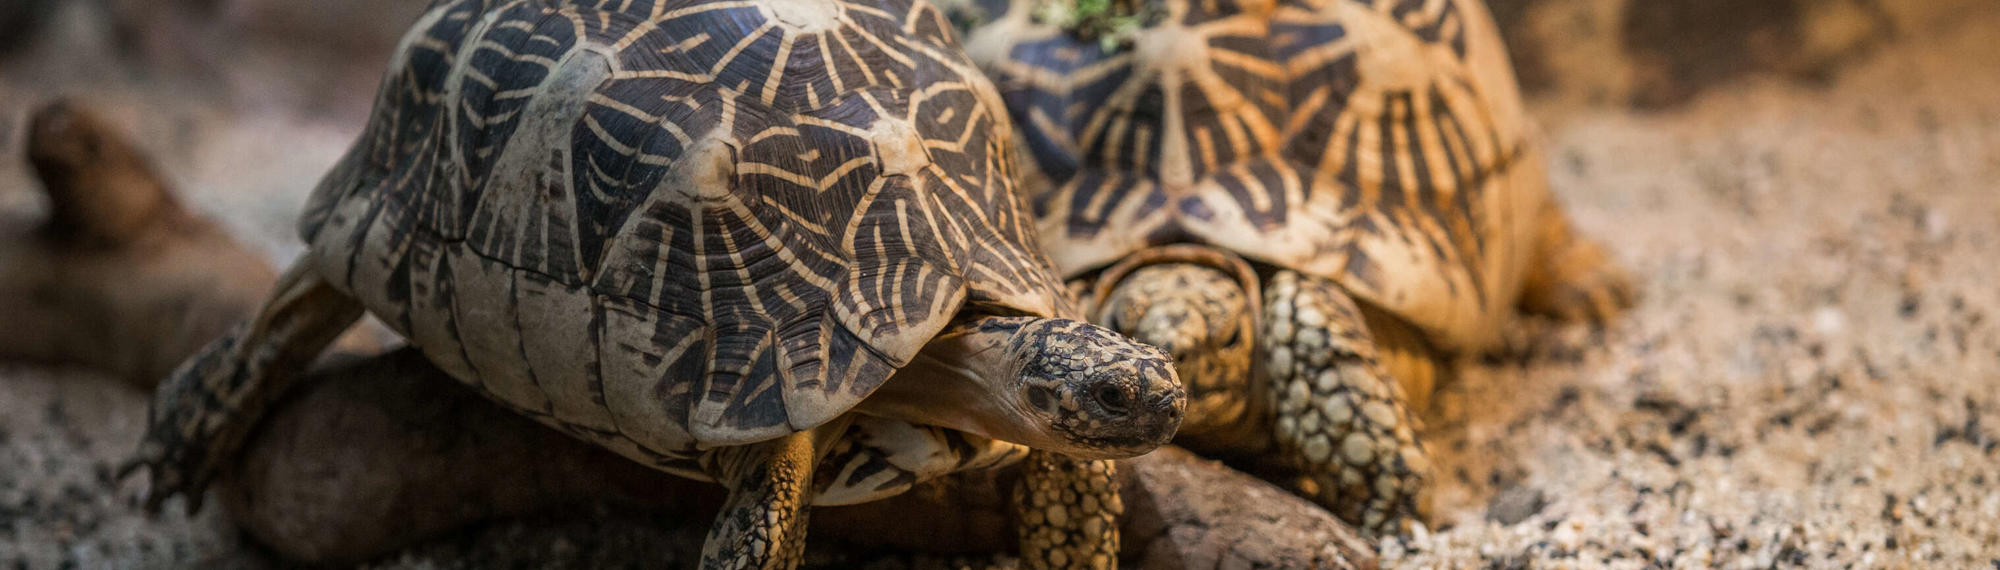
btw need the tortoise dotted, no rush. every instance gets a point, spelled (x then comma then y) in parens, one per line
(714, 237)
(1311, 204)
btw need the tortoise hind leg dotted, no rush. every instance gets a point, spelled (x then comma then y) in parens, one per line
(1573, 279)
(1409, 358)
(762, 525)
(1067, 512)
(1341, 421)
(203, 411)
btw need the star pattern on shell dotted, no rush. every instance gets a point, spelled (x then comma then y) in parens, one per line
(766, 208)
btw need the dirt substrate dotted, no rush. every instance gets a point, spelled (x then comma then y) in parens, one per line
(1813, 377)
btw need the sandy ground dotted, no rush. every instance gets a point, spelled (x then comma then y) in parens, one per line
(1806, 380)
(1813, 377)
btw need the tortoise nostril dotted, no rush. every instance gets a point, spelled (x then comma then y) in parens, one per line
(1116, 399)
(1166, 404)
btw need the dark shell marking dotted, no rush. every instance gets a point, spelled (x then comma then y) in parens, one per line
(664, 226)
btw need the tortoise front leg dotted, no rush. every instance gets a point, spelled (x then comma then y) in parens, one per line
(762, 525)
(203, 411)
(1067, 512)
(1341, 420)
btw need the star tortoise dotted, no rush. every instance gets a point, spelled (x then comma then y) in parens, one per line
(1308, 203)
(724, 239)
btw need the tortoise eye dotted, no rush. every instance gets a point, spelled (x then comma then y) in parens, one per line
(1115, 398)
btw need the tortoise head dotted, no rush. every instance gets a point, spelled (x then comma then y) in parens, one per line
(1196, 305)
(1060, 385)
(1103, 395)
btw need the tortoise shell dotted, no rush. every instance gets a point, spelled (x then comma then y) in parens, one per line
(1378, 143)
(667, 226)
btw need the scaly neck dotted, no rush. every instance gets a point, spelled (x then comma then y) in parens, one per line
(961, 380)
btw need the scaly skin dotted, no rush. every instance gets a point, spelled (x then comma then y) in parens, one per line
(203, 411)
(1323, 410)
(1417, 366)
(763, 524)
(1195, 303)
(1069, 512)
(1340, 419)
(1322, 383)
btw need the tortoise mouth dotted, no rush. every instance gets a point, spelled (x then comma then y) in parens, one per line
(1121, 412)
(1131, 432)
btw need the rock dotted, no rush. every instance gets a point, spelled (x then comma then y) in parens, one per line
(1515, 504)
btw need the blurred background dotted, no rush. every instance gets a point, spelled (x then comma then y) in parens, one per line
(1808, 190)
(243, 102)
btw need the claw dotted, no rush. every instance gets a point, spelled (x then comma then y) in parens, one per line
(149, 497)
(165, 480)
